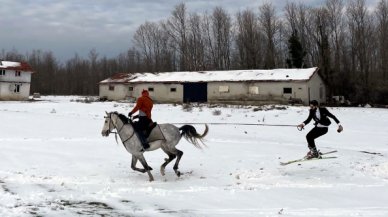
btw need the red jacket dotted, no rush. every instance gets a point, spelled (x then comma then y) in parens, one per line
(144, 104)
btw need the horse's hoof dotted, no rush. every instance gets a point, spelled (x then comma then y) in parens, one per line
(162, 172)
(178, 173)
(149, 168)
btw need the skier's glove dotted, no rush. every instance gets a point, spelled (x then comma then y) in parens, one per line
(340, 128)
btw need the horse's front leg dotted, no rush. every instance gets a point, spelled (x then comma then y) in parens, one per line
(133, 165)
(146, 167)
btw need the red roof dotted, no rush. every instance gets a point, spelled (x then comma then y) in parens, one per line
(119, 76)
(20, 66)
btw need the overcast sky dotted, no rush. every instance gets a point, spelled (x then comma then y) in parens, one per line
(67, 27)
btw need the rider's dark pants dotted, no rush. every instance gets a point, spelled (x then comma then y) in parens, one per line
(143, 123)
(142, 127)
(313, 134)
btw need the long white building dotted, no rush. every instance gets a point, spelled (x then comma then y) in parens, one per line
(232, 87)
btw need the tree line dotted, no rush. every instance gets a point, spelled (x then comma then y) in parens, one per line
(347, 40)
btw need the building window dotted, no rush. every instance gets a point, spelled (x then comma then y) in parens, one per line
(173, 89)
(2, 72)
(17, 88)
(254, 90)
(223, 89)
(111, 87)
(17, 73)
(151, 89)
(130, 88)
(287, 90)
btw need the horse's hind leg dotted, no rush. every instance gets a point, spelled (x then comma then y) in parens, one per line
(179, 156)
(171, 157)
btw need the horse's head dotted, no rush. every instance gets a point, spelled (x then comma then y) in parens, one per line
(108, 124)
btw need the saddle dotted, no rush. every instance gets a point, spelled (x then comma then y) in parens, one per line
(148, 131)
(152, 133)
(155, 133)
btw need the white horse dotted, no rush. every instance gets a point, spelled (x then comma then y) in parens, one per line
(132, 144)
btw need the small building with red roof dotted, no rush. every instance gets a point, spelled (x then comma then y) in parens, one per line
(15, 80)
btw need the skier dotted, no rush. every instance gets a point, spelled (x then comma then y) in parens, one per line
(322, 122)
(144, 105)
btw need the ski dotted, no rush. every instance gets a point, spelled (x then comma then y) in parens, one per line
(304, 159)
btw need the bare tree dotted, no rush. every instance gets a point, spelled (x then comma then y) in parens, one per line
(381, 78)
(318, 27)
(281, 46)
(361, 31)
(298, 20)
(336, 27)
(338, 44)
(12, 55)
(145, 39)
(248, 40)
(217, 31)
(177, 29)
(153, 41)
(222, 25)
(382, 36)
(195, 43)
(209, 49)
(46, 65)
(291, 15)
(270, 26)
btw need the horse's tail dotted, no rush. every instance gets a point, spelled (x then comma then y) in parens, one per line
(191, 135)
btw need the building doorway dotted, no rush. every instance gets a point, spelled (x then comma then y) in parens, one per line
(194, 92)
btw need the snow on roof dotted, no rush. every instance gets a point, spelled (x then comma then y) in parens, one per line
(22, 66)
(212, 76)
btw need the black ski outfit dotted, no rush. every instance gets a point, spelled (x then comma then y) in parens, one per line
(321, 124)
(321, 117)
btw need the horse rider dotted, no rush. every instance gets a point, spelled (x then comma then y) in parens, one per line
(144, 105)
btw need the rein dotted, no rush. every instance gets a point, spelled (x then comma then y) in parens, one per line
(118, 130)
(115, 127)
(250, 124)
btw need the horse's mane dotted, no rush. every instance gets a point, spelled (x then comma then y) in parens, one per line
(123, 118)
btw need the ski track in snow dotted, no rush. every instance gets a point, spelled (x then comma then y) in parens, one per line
(62, 172)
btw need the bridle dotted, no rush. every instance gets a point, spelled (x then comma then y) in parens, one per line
(115, 127)
(110, 131)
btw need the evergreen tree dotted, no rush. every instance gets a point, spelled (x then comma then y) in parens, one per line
(296, 52)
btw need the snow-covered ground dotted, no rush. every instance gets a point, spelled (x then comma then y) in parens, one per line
(54, 162)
